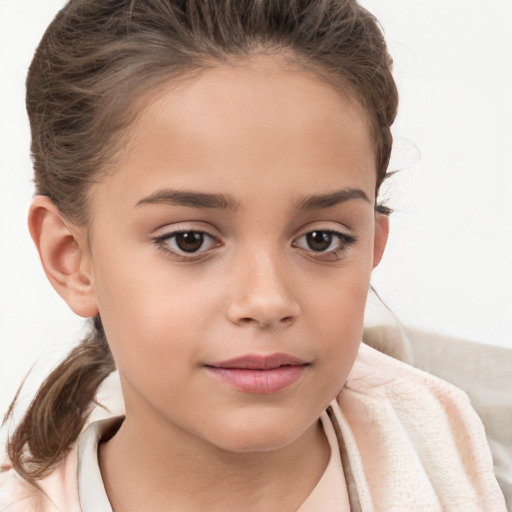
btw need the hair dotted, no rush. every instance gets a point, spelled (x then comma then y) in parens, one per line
(95, 61)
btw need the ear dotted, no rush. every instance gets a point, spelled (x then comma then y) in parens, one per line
(64, 255)
(381, 237)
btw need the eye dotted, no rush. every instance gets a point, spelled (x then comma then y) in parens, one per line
(325, 242)
(190, 242)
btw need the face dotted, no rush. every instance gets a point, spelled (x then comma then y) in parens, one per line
(231, 252)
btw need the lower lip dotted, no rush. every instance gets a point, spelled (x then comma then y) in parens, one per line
(263, 382)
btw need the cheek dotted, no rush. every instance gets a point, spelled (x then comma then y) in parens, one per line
(148, 312)
(338, 317)
(341, 296)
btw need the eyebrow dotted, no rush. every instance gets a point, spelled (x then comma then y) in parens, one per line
(226, 202)
(321, 201)
(191, 199)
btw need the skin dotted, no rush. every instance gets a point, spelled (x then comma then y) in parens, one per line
(266, 134)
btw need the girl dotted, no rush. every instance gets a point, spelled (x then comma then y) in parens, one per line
(207, 175)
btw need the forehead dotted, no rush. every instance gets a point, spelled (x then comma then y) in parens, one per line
(236, 127)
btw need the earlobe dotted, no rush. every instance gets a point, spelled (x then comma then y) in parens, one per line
(381, 237)
(62, 256)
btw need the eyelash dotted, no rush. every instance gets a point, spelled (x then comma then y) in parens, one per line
(345, 240)
(162, 242)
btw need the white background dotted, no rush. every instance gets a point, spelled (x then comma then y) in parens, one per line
(449, 258)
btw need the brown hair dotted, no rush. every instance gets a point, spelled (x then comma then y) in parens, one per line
(96, 58)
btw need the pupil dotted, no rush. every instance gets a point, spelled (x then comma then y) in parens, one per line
(319, 240)
(190, 241)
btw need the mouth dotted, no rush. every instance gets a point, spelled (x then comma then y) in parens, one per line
(259, 374)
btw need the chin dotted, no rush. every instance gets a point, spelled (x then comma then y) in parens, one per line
(258, 436)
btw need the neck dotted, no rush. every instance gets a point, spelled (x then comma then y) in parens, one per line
(147, 467)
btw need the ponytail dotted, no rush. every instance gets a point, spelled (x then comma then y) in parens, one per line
(60, 408)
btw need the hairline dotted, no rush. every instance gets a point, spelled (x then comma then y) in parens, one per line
(150, 90)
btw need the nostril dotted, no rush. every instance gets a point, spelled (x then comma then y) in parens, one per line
(263, 310)
(248, 320)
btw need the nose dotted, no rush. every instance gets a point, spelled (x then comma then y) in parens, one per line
(260, 293)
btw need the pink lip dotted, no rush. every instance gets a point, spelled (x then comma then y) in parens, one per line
(259, 374)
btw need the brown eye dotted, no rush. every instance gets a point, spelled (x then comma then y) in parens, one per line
(191, 241)
(325, 243)
(319, 240)
(183, 243)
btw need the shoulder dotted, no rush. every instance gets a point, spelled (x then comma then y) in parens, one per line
(480, 372)
(413, 394)
(17, 495)
(406, 425)
(57, 493)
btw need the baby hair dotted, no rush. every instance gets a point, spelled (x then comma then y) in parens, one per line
(94, 67)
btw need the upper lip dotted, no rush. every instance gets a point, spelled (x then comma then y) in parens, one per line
(259, 362)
